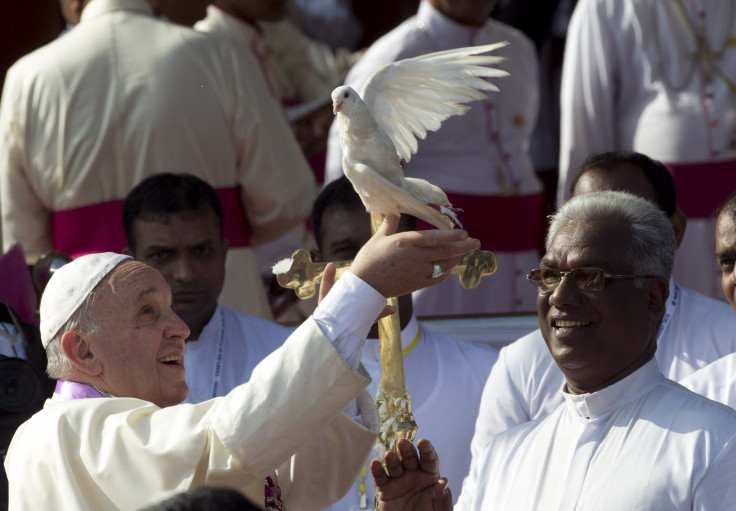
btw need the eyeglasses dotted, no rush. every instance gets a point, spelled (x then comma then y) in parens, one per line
(546, 280)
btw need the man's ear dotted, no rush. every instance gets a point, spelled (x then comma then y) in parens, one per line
(657, 292)
(128, 251)
(679, 223)
(77, 349)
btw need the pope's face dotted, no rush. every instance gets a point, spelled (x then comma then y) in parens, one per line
(140, 340)
(596, 337)
(189, 251)
(726, 255)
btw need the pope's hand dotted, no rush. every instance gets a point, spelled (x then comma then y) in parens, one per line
(396, 264)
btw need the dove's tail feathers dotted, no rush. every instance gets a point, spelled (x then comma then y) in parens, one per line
(429, 215)
(426, 191)
(432, 194)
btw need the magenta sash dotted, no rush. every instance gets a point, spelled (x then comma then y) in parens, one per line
(702, 186)
(99, 227)
(504, 223)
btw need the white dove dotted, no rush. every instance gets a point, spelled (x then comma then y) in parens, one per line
(401, 101)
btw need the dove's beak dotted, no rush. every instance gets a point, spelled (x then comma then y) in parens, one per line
(336, 107)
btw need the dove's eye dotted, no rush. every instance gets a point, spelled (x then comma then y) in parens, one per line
(345, 95)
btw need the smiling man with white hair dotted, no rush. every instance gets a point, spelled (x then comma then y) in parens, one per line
(111, 436)
(625, 436)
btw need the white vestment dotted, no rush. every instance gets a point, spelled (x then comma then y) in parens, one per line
(716, 381)
(526, 382)
(125, 453)
(630, 80)
(444, 377)
(484, 153)
(124, 96)
(643, 443)
(230, 346)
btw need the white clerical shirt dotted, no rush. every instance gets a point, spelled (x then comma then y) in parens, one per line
(643, 443)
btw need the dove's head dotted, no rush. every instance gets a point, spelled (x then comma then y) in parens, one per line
(344, 99)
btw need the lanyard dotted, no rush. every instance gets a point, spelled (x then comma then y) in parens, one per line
(362, 496)
(219, 356)
(669, 311)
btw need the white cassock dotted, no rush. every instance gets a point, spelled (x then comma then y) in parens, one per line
(716, 381)
(480, 159)
(643, 443)
(124, 453)
(630, 80)
(525, 383)
(444, 377)
(268, 87)
(124, 96)
(230, 346)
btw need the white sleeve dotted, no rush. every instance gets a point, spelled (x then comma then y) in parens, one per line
(346, 315)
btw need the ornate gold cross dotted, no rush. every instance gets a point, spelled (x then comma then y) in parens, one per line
(393, 401)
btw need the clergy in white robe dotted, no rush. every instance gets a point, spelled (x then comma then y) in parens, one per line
(525, 383)
(127, 452)
(124, 96)
(634, 78)
(717, 381)
(695, 330)
(644, 442)
(480, 159)
(626, 437)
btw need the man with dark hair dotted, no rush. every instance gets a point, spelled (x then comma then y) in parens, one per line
(173, 222)
(718, 379)
(695, 330)
(625, 436)
(444, 375)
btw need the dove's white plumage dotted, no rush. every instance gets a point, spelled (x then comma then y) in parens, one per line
(402, 101)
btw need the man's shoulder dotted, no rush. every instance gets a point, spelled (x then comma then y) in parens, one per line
(706, 315)
(448, 344)
(696, 410)
(528, 350)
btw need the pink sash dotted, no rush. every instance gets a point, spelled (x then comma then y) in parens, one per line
(504, 223)
(99, 227)
(702, 186)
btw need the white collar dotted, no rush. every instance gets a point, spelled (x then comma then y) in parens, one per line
(99, 7)
(613, 397)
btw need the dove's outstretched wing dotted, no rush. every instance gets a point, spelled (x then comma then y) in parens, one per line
(410, 97)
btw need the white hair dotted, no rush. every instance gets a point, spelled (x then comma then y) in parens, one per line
(652, 244)
(59, 366)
